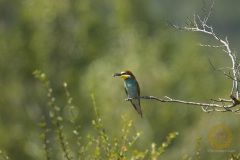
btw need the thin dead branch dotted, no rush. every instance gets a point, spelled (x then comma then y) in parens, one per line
(216, 105)
(201, 25)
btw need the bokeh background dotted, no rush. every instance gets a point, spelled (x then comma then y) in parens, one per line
(82, 42)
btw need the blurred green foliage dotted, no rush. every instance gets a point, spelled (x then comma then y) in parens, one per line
(83, 42)
(97, 146)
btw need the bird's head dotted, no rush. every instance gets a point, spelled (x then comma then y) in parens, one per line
(125, 74)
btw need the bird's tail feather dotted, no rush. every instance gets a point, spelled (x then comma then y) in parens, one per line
(137, 106)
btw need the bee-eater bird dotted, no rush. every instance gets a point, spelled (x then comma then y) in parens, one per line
(131, 88)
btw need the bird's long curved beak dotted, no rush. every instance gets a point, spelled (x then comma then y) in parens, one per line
(116, 74)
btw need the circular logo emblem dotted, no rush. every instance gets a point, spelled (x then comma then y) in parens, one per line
(220, 137)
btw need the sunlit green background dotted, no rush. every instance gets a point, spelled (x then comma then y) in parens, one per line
(82, 42)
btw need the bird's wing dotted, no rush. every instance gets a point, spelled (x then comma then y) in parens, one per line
(138, 88)
(136, 102)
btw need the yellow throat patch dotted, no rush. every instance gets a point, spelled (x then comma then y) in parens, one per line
(125, 76)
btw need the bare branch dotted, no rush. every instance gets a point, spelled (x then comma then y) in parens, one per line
(190, 22)
(206, 107)
(221, 71)
(199, 24)
(211, 46)
(210, 11)
(221, 100)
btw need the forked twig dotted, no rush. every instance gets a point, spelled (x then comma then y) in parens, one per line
(199, 24)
